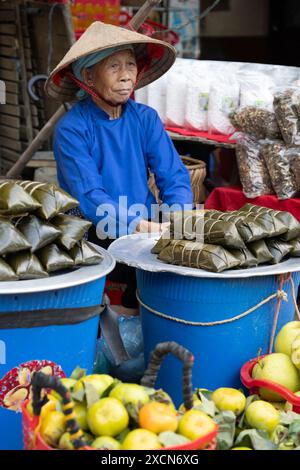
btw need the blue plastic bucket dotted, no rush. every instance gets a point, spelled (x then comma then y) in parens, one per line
(219, 350)
(68, 345)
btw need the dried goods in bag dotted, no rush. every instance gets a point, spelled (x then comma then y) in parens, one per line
(295, 245)
(11, 240)
(53, 199)
(293, 155)
(198, 255)
(260, 251)
(54, 259)
(72, 229)
(26, 266)
(285, 107)
(257, 122)
(6, 272)
(85, 254)
(278, 248)
(277, 161)
(245, 257)
(198, 225)
(37, 232)
(14, 200)
(253, 171)
(286, 218)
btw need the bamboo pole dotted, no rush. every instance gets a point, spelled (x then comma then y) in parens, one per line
(135, 23)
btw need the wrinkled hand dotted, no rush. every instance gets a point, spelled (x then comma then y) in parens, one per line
(151, 227)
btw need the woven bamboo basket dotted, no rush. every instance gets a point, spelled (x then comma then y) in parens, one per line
(197, 170)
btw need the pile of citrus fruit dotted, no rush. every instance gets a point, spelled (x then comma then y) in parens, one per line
(121, 416)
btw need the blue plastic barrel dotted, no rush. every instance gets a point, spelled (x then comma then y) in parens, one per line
(219, 350)
(67, 345)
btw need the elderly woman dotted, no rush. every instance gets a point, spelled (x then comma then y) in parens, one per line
(105, 145)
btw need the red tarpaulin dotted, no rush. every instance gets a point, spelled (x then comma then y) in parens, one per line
(226, 139)
(233, 198)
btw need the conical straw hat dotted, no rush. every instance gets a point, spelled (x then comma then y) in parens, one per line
(153, 56)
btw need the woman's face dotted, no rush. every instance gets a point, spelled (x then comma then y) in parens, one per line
(114, 78)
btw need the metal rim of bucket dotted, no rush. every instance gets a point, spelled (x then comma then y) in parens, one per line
(83, 275)
(135, 250)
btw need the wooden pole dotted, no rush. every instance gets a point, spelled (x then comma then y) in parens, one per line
(135, 23)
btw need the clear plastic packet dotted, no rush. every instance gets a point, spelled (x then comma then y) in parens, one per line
(176, 97)
(258, 122)
(197, 98)
(277, 161)
(286, 104)
(223, 100)
(253, 171)
(256, 90)
(293, 155)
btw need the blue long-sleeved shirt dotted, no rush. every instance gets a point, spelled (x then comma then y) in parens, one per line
(100, 160)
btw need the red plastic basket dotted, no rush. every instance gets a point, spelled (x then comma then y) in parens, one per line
(34, 441)
(254, 384)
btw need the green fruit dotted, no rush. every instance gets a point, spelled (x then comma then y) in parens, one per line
(107, 417)
(241, 448)
(130, 393)
(81, 412)
(99, 381)
(53, 426)
(141, 439)
(285, 337)
(278, 368)
(106, 443)
(262, 415)
(229, 399)
(65, 442)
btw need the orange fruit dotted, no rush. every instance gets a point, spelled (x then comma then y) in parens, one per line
(158, 417)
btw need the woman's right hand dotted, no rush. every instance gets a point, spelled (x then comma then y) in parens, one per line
(145, 226)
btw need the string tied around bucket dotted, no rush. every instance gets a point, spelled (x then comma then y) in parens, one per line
(280, 295)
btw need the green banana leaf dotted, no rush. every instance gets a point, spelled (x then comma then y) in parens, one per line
(246, 258)
(72, 229)
(11, 240)
(295, 244)
(26, 265)
(288, 220)
(195, 254)
(14, 200)
(37, 232)
(52, 199)
(54, 259)
(85, 254)
(260, 251)
(278, 248)
(6, 272)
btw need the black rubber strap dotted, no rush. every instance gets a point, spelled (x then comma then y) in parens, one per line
(47, 317)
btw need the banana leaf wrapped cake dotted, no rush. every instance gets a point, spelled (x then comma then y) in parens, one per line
(36, 236)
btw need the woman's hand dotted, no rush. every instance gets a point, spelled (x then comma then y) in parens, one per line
(151, 227)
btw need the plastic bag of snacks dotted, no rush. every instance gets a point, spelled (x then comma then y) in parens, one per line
(223, 100)
(285, 107)
(278, 162)
(256, 90)
(197, 98)
(293, 154)
(260, 123)
(253, 171)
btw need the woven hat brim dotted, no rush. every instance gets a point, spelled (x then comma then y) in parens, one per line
(158, 55)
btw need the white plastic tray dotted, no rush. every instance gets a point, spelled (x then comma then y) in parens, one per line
(135, 250)
(76, 277)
